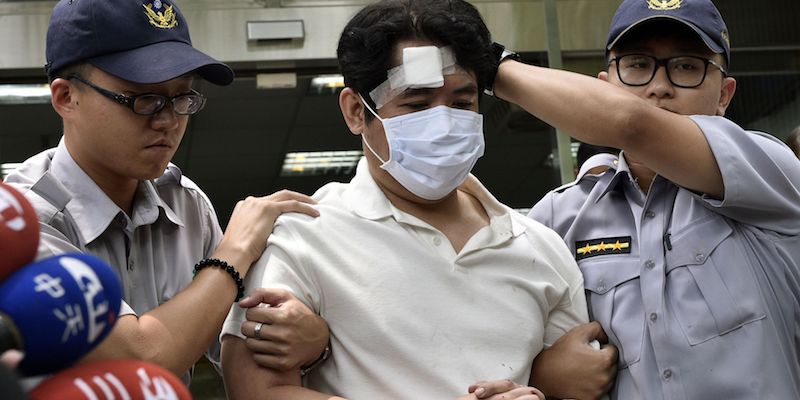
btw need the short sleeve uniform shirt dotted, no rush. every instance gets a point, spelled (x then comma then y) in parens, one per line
(153, 251)
(701, 296)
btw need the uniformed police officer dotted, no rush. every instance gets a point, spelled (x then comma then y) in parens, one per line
(690, 242)
(121, 77)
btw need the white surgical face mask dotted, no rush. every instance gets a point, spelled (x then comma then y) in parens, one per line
(431, 152)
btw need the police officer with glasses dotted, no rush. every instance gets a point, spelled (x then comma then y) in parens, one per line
(689, 242)
(121, 75)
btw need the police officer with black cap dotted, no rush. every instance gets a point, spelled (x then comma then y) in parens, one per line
(121, 76)
(689, 242)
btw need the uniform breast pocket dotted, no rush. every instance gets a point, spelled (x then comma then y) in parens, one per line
(615, 301)
(709, 284)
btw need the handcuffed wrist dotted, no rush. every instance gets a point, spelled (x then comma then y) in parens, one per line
(324, 356)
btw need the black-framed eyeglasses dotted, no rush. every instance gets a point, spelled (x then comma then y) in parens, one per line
(682, 71)
(151, 103)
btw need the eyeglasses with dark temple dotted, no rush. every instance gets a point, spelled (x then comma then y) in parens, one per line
(682, 71)
(151, 103)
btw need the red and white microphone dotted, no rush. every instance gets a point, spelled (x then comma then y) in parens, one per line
(19, 231)
(112, 380)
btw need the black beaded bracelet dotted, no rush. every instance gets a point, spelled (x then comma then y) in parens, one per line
(214, 262)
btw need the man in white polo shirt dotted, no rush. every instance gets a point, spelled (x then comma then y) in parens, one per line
(427, 282)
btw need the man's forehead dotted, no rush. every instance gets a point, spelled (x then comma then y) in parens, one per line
(423, 66)
(460, 82)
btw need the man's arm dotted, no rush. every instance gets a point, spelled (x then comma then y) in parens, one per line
(290, 335)
(572, 368)
(175, 334)
(245, 380)
(596, 112)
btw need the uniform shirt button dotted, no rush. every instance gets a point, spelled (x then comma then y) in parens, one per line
(667, 374)
(653, 317)
(649, 264)
(437, 241)
(699, 257)
(650, 214)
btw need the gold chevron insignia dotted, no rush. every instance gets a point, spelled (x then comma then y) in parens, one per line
(164, 20)
(664, 5)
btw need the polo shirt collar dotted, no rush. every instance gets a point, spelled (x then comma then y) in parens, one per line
(500, 216)
(91, 209)
(364, 197)
(367, 200)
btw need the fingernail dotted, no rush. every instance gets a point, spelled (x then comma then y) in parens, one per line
(480, 391)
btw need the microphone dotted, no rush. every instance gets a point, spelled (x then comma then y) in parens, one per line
(9, 384)
(111, 380)
(58, 309)
(19, 231)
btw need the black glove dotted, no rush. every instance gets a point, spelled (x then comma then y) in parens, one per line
(500, 54)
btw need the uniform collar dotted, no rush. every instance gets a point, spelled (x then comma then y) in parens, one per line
(621, 171)
(92, 210)
(365, 198)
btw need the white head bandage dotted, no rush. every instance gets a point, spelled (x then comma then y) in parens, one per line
(422, 68)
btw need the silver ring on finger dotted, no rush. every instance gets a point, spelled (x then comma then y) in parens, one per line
(257, 330)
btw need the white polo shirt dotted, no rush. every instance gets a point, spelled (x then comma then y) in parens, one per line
(407, 314)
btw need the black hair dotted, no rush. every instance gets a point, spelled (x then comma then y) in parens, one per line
(368, 41)
(586, 151)
(68, 71)
(793, 140)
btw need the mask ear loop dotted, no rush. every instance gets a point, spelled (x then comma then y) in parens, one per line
(365, 139)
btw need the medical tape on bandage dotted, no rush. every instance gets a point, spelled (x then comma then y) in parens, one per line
(422, 68)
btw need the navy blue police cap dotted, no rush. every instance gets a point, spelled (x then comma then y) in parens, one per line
(142, 41)
(699, 15)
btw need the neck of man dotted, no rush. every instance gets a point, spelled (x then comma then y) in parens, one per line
(458, 216)
(642, 175)
(121, 190)
(121, 193)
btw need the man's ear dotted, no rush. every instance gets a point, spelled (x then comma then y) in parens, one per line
(62, 97)
(352, 110)
(727, 91)
(603, 75)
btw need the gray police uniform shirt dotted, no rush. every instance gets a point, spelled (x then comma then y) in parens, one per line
(173, 226)
(702, 297)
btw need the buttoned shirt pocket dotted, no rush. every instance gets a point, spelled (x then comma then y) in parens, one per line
(709, 297)
(615, 301)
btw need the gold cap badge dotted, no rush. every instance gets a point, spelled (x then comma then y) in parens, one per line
(664, 5)
(164, 20)
(726, 38)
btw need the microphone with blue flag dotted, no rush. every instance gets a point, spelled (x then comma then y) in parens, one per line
(57, 310)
